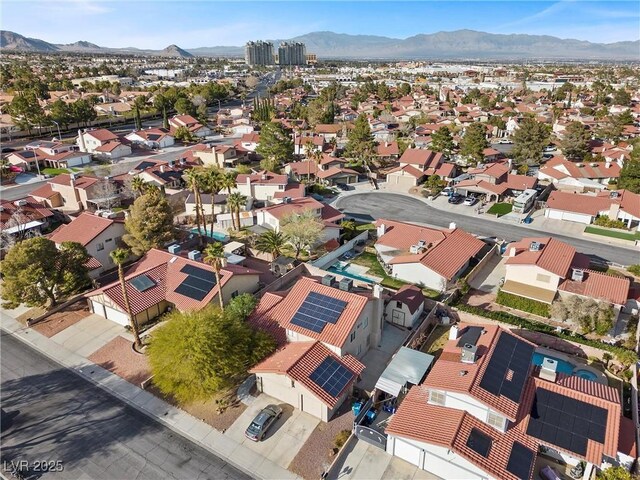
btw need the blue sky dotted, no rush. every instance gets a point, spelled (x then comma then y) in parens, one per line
(158, 23)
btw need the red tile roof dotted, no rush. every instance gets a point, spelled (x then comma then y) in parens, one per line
(554, 256)
(44, 191)
(408, 169)
(401, 236)
(81, 181)
(164, 269)
(102, 135)
(108, 147)
(32, 211)
(573, 202)
(600, 170)
(263, 318)
(82, 229)
(422, 158)
(298, 360)
(599, 286)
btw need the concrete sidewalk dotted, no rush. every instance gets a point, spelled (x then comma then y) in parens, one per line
(179, 421)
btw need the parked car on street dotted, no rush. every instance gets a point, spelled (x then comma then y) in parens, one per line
(261, 423)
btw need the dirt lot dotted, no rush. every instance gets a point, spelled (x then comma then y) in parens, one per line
(57, 322)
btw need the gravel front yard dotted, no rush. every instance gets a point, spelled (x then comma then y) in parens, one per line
(316, 453)
(57, 322)
(118, 357)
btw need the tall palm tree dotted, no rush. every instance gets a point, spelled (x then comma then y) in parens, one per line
(212, 179)
(214, 256)
(235, 202)
(138, 185)
(119, 256)
(228, 181)
(309, 149)
(316, 156)
(193, 179)
(271, 242)
(139, 106)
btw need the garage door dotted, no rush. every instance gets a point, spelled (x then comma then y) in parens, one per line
(407, 452)
(116, 316)
(568, 216)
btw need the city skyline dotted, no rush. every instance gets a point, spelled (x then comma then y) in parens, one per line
(102, 23)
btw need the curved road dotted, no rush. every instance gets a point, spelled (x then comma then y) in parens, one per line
(62, 417)
(394, 206)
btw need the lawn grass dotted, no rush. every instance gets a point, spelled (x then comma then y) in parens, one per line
(368, 259)
(365, 226)
(437, 340)
(613, 234)
(500, 209)
(58, 171)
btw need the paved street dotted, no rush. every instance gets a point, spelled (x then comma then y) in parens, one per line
(94, 435)
(367, 206)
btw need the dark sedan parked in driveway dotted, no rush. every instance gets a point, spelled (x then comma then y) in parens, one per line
(261, 423)
(456, 198)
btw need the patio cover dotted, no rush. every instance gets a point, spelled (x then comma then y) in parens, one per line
(407, 366)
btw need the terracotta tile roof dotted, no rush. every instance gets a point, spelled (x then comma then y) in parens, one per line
(495, 170)
(161, 267)
(304, 167)
(335, 171)
(409, 169)
(32, 211)
(332, 334)
(328, 128)
(331, 245)
(298, 360)
(387, 148)
(82, 229)
(81, 181)
(445, 170)
(252, 137)
(108, 147)
(599, 286)
(600, 170)
(291, 190)
(44, 191)
(629, 202)
(401, 236)
(499, 189)
(573, 202)
(93, 263)
(263, 318)
(627, 440)
(423, 158)
(410, 295)
(102, 135)
(554, 256)
(520, 182)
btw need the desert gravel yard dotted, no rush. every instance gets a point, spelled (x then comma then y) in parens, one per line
(118, 357)
(57, 322)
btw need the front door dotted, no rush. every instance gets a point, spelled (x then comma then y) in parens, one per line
(397, 317)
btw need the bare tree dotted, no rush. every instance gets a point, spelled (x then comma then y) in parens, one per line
(106, 195)
(15, 230)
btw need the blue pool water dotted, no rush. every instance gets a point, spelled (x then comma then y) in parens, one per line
(586, 374)
(563, 366)
(345, 272)
(221, 237)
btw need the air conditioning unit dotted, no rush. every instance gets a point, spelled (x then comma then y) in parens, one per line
(535, 247)
(579, 165)
(577, 275)
(346, 284)
(328, 280)
(194, 255)
(415, 249)
(174, 249)
(614, 195)
(469, 353)
(20, 203)
(286, 200)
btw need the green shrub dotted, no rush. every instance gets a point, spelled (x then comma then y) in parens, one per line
(522, 304)
(341, 438)
(605, 221)
(634, 269)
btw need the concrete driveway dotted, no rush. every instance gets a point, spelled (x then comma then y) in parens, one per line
(285, 437)
(488, 279)
(90, 334)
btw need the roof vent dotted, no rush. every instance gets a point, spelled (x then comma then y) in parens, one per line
(469, 353)
(194, 255)
(577, 275)
(346, 284)
(286, 200)
(20, 203)
(328, 280)
(535, 247)
(463, 373)
(614, 194)
(175, 248)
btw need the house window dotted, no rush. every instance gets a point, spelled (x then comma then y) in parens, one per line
(366, 322)
(99, 246)
(398, 304)
(234, 294)
(108, 240)
(495, 420)
(543, 278)
(293, 384)
(437, 397)
(353, 336)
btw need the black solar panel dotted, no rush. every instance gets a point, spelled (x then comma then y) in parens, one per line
(142, 283)
(190, 292)
(317, 310)
(566, 422)
(520, 460)
(479, 442)
(331, 376)
(145, 165)
(199, 272)
(508, 367)
(198, 283)
(470, 335)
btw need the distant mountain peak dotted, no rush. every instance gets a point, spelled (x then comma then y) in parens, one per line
(175, 51)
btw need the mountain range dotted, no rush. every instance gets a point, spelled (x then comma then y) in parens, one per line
(459, 44)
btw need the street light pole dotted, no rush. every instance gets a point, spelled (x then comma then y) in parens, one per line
(58, 125)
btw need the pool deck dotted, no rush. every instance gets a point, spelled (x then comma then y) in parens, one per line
(578, 364)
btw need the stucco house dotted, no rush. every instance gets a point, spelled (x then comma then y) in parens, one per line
(152, 137)
(620, 205)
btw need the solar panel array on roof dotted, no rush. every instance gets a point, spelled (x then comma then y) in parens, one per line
(520, 460)
(566, 422)
(142, 283)
(331, 376)
(508, 367)
(317, 310)
(145, 165)
(198, 283)
(470, 335)
(479, 442)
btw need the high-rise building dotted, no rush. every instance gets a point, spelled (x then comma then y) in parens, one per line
(259, 53)
(292, 53)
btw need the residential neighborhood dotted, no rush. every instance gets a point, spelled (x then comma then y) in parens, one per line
(285, 260)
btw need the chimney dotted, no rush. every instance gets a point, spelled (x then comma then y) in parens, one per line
(162, 168)
(380, 231)
(83, 147)
(249, 181)
(377, 291)
(452, 226)
(454, 332)
(614, 209)
(549, 369)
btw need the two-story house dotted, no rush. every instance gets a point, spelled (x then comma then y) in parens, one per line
(152, 137)
(74, 192)
(222, 156)
(495, 181)
(415, 166)
(99, 235)
(496, 407)
(102, 142)
(196, 128)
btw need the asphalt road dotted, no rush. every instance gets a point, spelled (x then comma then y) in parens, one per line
(367, 206)
(63, 417)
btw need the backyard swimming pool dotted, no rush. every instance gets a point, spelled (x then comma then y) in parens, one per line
(220, 236)
(569, 368)
(351, 271)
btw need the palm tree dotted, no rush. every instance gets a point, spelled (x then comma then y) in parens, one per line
(228, 181)
(309, 149)
(235, 202)
(193, 178)
(214, 256)
(271, 242)
(213, 179)
(138, 185)
(119, 256)
(139, 105)
(316, 156)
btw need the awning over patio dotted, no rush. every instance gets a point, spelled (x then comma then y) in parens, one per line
(528, 291)
(407, 366)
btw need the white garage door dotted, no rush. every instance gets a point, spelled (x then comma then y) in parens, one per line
(407, 452)
(568, 216)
